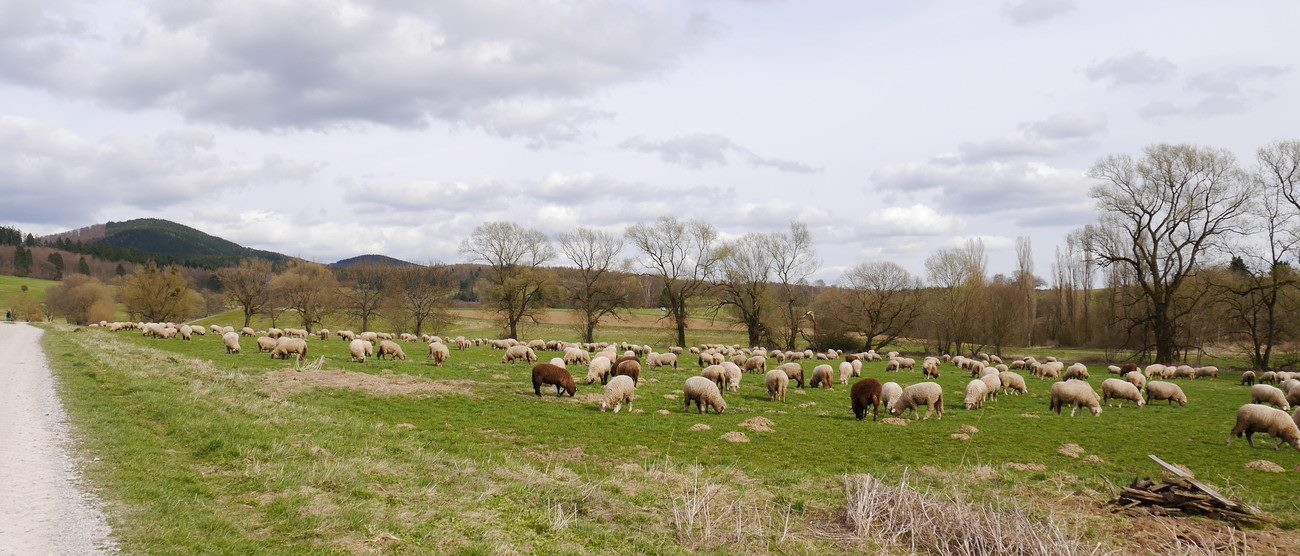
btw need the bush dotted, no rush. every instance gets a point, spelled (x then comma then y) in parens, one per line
(81, 299)
(25, 306)
(835, 340)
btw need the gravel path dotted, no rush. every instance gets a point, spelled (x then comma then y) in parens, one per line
(43, 509)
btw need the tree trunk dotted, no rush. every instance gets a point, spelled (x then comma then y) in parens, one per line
(589, 334)
(365, 323)
(248, 317)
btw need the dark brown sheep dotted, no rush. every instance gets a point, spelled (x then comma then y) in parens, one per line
(865, 392)
(546, 373)
(1128, 368)
(630, 367)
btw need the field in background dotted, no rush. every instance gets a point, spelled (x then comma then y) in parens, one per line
(11, 286)
(203, 451)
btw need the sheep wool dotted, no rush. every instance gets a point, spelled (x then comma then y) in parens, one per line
(704, 393)
(1157, 390)
(864, 393)
(439, 353)
(821, 377)
(1116, 389)
(1076, 394)
(1266, 394)
(976, 390)
(360, 349)
(928, 394)
(1253, 418)
(231, 340)
(620, 390)
(777, 382)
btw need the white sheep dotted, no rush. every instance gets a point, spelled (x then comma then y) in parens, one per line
(1157, 390)
(704, 393)
(1077, 371)
(889, 393)
(1136, 379)
(777, 382)
(265, 344)
(1266, 394)
(928, 394)
(994, 382)
(821, 376)
(1253, 418)
(360, 349)
(599, 369)
(846, 372)
(440, 353)
(1013, 381)
(733, 376)
(1076, 394)
(1116, 389)
(231, 340)
(621, 389)
(976, 391)
(519, 353)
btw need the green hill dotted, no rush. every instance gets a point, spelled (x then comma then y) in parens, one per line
(379, 260)
(165, 241)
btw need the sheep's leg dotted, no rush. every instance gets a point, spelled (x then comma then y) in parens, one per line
(1073, 409)
(618, 407)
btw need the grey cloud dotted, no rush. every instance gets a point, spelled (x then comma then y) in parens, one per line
(697, 150)
(1227, 90)
(1055, 135)
(1028, 12)
(1138, 68)
(1011, 189)
(49, 174)
(514, 69)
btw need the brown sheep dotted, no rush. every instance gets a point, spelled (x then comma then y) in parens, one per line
(547, 373)
(1128, 368)
(865, 392)
(629, 367)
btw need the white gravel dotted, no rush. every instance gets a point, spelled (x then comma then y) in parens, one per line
(43, 507)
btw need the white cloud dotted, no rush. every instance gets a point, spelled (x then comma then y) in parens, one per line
(1010, 189)
(1058, 134)
(1226, 90)
(1138, 68)
(697, 150)
(1028, 12)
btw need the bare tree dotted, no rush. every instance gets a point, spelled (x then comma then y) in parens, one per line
(594, 289)
(746, 276)
(309, 289)
(879, 300)
(159, 294)
(248, 285)
(1025, 284)
(794, 260)
(958, 278)
(421, 296)
(1160, 215)
(684, 256)
(513, 285)
(364, 294)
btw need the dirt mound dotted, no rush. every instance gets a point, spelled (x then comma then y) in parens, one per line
(758, 424)
(894, 421)
(1026, 466)
(699, 427)
(734, 436)
(1070, 450)
(967, 429)
(663, 412)
(1094, 458)
(1265, 466)
(289, 382)
(959, 436)
(1029, 415)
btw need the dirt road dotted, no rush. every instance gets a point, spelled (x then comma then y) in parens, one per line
(43, 508)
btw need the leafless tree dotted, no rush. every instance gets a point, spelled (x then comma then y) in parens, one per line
(794, 260)
(957, 276)
(513, 284)
(594, 289)
(878, 300)
(745, 283)
(421, 296)
(248, 285)
(1161, 214)
(684, 255)
(364, 293)
(1027, 300)
(309, 289)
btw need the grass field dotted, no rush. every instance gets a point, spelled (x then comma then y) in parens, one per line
(200, 451)
(12, 285)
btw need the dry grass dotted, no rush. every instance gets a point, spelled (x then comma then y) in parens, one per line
(290, 382)
(707, 514)
(1265, 466)
(734, 436)
(895, 421)
(901, 519)
(758, 424)
(1070, 450)
(699, 427)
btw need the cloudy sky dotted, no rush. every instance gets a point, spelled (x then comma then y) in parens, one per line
(331, 128)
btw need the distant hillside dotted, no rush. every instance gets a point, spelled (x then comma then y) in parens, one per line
(381, 260)
(164, 241)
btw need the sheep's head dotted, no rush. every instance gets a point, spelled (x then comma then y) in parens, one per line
(1096, 411)
(603, 406)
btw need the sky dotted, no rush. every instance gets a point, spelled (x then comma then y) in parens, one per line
(325, 129)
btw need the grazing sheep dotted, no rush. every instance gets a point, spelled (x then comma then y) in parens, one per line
(545, 373)
(715, 373)
(1013, 381)
(865, 392)
(1077, 371)
(1268, 377)
(1208, 371)
(889, 394)
(265, 344)
(1076, 394)
(1293, 394)
(369, 337)
(777, 382)
(1156, 370)
(1265, 394)
(246, 331)
(846, 372)
(1248, 378)
(274, 333)
(1157, 390)
(599, 369)
(519, 353)
(976, 391)
(1116, 389)
(391, 349)
(821, 377)
(1184, 371)
(1113, 370)
(1050, 369)
(628, 367)
(1253, 418)
(994, 383)
(439, 352)
(232, 342)
(1136, 379)
(323, 333)
(360, 349)
(185, 332)
(286, 346)
(704, 393)
(930, 367)
(929, 394)
(757, 363)
(573, 355)
(346, 335)
(794, 371)
(199, 330)
(620, 390)
(857, 367)
(559, 362)
(733, 376)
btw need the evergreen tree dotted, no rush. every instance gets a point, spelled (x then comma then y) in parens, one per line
(30, 241)
(82, 266)
(56, 260)
(120, 271)
(22, 261)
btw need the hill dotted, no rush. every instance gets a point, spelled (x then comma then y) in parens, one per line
(382, 260)
(162, 240)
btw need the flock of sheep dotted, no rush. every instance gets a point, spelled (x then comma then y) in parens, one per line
(618, 368)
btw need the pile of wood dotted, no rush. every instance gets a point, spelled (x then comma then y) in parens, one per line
(1183, 494)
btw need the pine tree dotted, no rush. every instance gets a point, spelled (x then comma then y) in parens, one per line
(83, 267)
(56, 260)
(120, 271)
(22, 261)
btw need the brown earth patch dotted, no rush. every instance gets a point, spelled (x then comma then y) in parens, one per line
(1265, 466)
(734, 436)
(1070, 450)
(894, 421)
(288, 382)
(758, 424)
(1025, 466)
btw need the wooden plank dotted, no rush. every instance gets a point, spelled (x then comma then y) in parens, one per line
(1203, 488)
